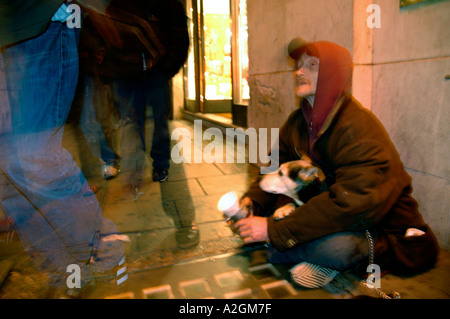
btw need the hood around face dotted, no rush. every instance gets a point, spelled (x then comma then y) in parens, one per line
(334, 80)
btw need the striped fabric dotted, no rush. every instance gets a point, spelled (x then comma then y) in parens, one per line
(312, 276)
(122, 271)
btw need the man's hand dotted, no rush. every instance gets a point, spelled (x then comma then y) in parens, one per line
(252, 229)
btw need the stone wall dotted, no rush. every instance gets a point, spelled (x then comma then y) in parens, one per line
(408, 59)
(400, 71)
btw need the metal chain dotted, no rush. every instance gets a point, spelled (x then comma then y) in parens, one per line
(394, 295)
(370, 240)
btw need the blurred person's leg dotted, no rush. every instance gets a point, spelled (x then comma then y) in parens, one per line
(42, 185)
(157, 90)
(88, 132)
(98, 127)
(108, 116)
(130, 102)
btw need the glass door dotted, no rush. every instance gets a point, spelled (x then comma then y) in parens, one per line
(217, 66)
(192, 89)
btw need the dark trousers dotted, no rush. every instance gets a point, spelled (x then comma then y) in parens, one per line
(134, 97)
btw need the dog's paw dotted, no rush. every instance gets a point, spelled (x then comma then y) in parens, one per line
(283, 211)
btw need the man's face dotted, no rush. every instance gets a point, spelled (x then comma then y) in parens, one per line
(306, 75)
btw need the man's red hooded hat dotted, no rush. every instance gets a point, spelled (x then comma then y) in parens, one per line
(334, 80)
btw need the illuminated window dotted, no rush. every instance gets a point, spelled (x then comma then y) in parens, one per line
(217, 49)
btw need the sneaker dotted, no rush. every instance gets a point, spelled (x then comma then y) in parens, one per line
(187, 237)
(109, 171)
(312, 276)
(160, 174)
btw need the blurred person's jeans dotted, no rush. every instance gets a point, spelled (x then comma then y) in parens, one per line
(98, 118)
(108, 116)
(41, 184)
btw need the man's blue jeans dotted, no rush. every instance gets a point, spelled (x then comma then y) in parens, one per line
(99, 120)
(41, 185)
(339, 251)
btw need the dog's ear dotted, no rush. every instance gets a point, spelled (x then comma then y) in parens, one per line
(312, 174)
(306, 158)
(320, 176)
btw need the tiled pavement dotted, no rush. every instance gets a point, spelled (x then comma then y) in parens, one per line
(218, 266)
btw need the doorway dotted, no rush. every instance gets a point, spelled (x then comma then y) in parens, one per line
(216, 71)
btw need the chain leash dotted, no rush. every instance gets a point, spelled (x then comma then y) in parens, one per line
(379, 292)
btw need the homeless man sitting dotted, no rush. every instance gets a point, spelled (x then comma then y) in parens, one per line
(368, 195)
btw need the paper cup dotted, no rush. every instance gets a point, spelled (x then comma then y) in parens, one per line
(229, 206)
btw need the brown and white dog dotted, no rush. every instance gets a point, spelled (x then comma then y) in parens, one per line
(290, 179)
